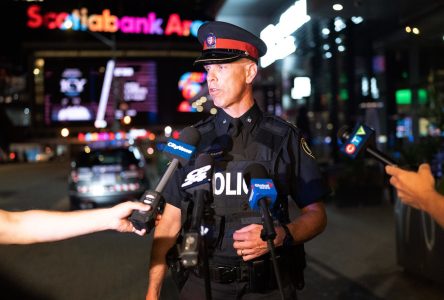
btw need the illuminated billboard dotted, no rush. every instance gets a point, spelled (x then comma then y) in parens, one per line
(71, 90)
(87, 91)
(80, 90)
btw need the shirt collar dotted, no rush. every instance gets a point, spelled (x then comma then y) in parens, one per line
(249, 119)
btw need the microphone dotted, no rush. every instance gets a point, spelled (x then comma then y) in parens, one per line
(180, 151)
(359, 141)
(197, 182)
(262, 196)
(220, 147)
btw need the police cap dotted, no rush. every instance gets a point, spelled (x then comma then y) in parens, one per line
(224, 43)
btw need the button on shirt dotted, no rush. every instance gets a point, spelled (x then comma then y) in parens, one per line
(240, 129)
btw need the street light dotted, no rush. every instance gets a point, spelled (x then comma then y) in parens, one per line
(64, 132)
(126, 120)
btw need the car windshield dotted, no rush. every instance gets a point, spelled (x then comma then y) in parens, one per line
(123, 157)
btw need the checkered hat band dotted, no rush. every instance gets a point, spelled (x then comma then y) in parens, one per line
(233, 44)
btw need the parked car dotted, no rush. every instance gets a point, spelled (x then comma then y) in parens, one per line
(106, 176)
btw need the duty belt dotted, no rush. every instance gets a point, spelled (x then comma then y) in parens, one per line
(257, 274)
(241, 273)
(228, 274)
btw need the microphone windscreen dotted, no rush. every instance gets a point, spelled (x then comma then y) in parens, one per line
(254, 171)
(343, 134)
(221, 146)
(190, 136)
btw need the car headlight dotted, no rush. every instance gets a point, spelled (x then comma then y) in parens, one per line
(97, 190)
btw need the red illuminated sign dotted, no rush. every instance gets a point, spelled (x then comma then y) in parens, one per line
(81, 20)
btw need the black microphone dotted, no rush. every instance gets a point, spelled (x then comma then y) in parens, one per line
(180, 151)
(198, 183)
(220, 147)
(360, 141)
(263, 195)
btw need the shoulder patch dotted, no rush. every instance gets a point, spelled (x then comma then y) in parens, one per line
(306, 148)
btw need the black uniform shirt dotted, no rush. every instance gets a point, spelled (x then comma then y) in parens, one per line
(294, 169)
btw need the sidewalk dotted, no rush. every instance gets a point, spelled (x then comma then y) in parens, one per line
(355, 258)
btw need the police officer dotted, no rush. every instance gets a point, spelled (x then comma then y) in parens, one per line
(239, 135)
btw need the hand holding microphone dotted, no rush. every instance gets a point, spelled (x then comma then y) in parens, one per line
(263, 195)
(180, 151)
(251, 241)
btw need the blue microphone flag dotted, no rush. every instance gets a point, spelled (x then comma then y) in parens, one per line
(179, 149)
(262, 188)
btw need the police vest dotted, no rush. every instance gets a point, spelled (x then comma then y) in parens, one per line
(230, 191)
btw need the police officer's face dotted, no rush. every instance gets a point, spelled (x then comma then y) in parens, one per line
(230, 83)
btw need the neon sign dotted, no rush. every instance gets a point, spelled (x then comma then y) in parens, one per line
(190, 84)
(81, 20)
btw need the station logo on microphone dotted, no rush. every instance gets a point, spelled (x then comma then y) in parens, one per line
(263, 186)
(356, 141)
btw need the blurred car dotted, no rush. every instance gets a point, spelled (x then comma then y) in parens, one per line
(107, 176)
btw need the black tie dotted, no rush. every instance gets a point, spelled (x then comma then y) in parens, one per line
(236, 125)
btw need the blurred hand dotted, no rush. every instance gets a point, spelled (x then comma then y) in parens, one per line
(158, 218)
(413, 188)
(119, 216)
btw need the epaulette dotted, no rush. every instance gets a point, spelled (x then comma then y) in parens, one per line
(277, 125)
(205, 126)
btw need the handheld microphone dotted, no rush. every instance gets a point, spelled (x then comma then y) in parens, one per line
(180, 151)
(263, 195)
(197, 182)
(360, 140)
(220, 147)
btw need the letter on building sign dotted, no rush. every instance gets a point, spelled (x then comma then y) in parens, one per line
(155, 24)
(174, 25)
(110, 22)
(35, 19)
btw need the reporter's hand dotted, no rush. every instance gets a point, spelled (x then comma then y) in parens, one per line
(119, 216)
(413, 188)
(158, 218)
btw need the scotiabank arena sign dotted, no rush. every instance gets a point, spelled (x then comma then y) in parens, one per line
(81, 20)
